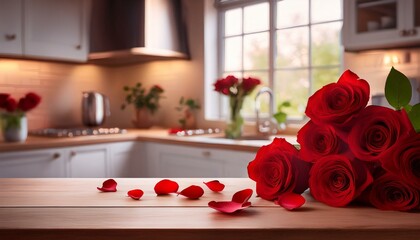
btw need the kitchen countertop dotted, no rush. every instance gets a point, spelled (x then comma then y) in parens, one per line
(75, 209)
(151, 135)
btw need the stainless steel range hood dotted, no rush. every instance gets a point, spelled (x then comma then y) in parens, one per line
(130, 31)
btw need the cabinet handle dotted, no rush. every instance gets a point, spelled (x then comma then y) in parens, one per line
(10, 37)
(206, 153)
(56, 155)
(72, 153)
(403, 33)
(78, 46)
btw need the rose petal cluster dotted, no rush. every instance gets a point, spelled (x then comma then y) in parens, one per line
(359, 152)
(26, 103)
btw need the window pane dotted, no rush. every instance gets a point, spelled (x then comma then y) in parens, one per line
(256, 51)
(256, 18)
(326, 45)
(233, 22)
(326, 10)
(233, 54)
(293, 86)
(323, 76)
(292, 13)
(248, 109)
(292, 47)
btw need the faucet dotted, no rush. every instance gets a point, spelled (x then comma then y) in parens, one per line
(269, 126)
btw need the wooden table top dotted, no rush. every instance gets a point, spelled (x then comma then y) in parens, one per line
(75, 209)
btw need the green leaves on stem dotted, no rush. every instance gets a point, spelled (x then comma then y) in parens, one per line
(398, 93)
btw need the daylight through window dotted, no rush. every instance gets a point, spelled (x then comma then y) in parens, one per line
(294, 46)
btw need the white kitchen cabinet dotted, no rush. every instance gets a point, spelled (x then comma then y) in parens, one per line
(33, 163)
(373, 24)
(166, 160)
(11, 27)
(46, 29)
(127, 159)
(88, 161)
(122, 159)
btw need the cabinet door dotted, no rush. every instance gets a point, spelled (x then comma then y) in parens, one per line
(373, 24)
(127, 160)
(88, 161)
(36, 163)
(179, 161)
(11, 27)
(56, 29)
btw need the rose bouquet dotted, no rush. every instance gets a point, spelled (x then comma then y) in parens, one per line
(353, 152)
(237, 91)
(13, 115)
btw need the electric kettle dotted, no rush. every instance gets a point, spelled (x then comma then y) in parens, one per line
(95, 108)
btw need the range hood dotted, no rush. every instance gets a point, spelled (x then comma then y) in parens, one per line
(131, 31)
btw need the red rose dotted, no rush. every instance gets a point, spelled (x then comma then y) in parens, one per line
(337, 103)
(10, 104)
(3, 98)
(317, 141)
(404, 160)
(390, 193)
(277, 169)
(248, 84)
(30, 101)
(376, 130)
(223, 85)
(157, 88)
(336, 180)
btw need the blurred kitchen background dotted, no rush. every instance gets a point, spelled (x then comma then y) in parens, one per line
(217, 37)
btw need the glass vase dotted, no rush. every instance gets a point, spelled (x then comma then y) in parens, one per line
(14, 127)
(235, 120)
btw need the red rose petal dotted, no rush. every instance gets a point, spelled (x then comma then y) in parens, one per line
(135, 194)
(242, 196)
(166, 186)
(109, 185)
(239, 202)
(215, 185)
(192, 192)
(228, 206)
(290, 201)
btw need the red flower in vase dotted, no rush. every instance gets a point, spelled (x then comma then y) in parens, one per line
(26, 103)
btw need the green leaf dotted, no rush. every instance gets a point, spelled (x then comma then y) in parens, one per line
(397, 89)
(414, 116)
(286, 104)
(280, 117)
(408, 108)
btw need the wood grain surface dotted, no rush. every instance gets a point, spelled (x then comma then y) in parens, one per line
(75, 209)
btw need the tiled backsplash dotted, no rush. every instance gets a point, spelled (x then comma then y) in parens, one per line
(371, 67)
(59, 84)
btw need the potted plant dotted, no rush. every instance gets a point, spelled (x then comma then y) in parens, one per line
(14, 124)
(187, 109)
(146, 103)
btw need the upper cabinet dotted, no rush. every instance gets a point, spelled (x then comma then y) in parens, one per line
(375, 24)
(45, 29)
(11, 27)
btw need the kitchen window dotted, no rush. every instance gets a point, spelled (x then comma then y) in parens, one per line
(293, 46)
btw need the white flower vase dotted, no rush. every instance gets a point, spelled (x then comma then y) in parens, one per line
(14, 127)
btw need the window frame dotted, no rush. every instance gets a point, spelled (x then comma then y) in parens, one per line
(225, 5)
